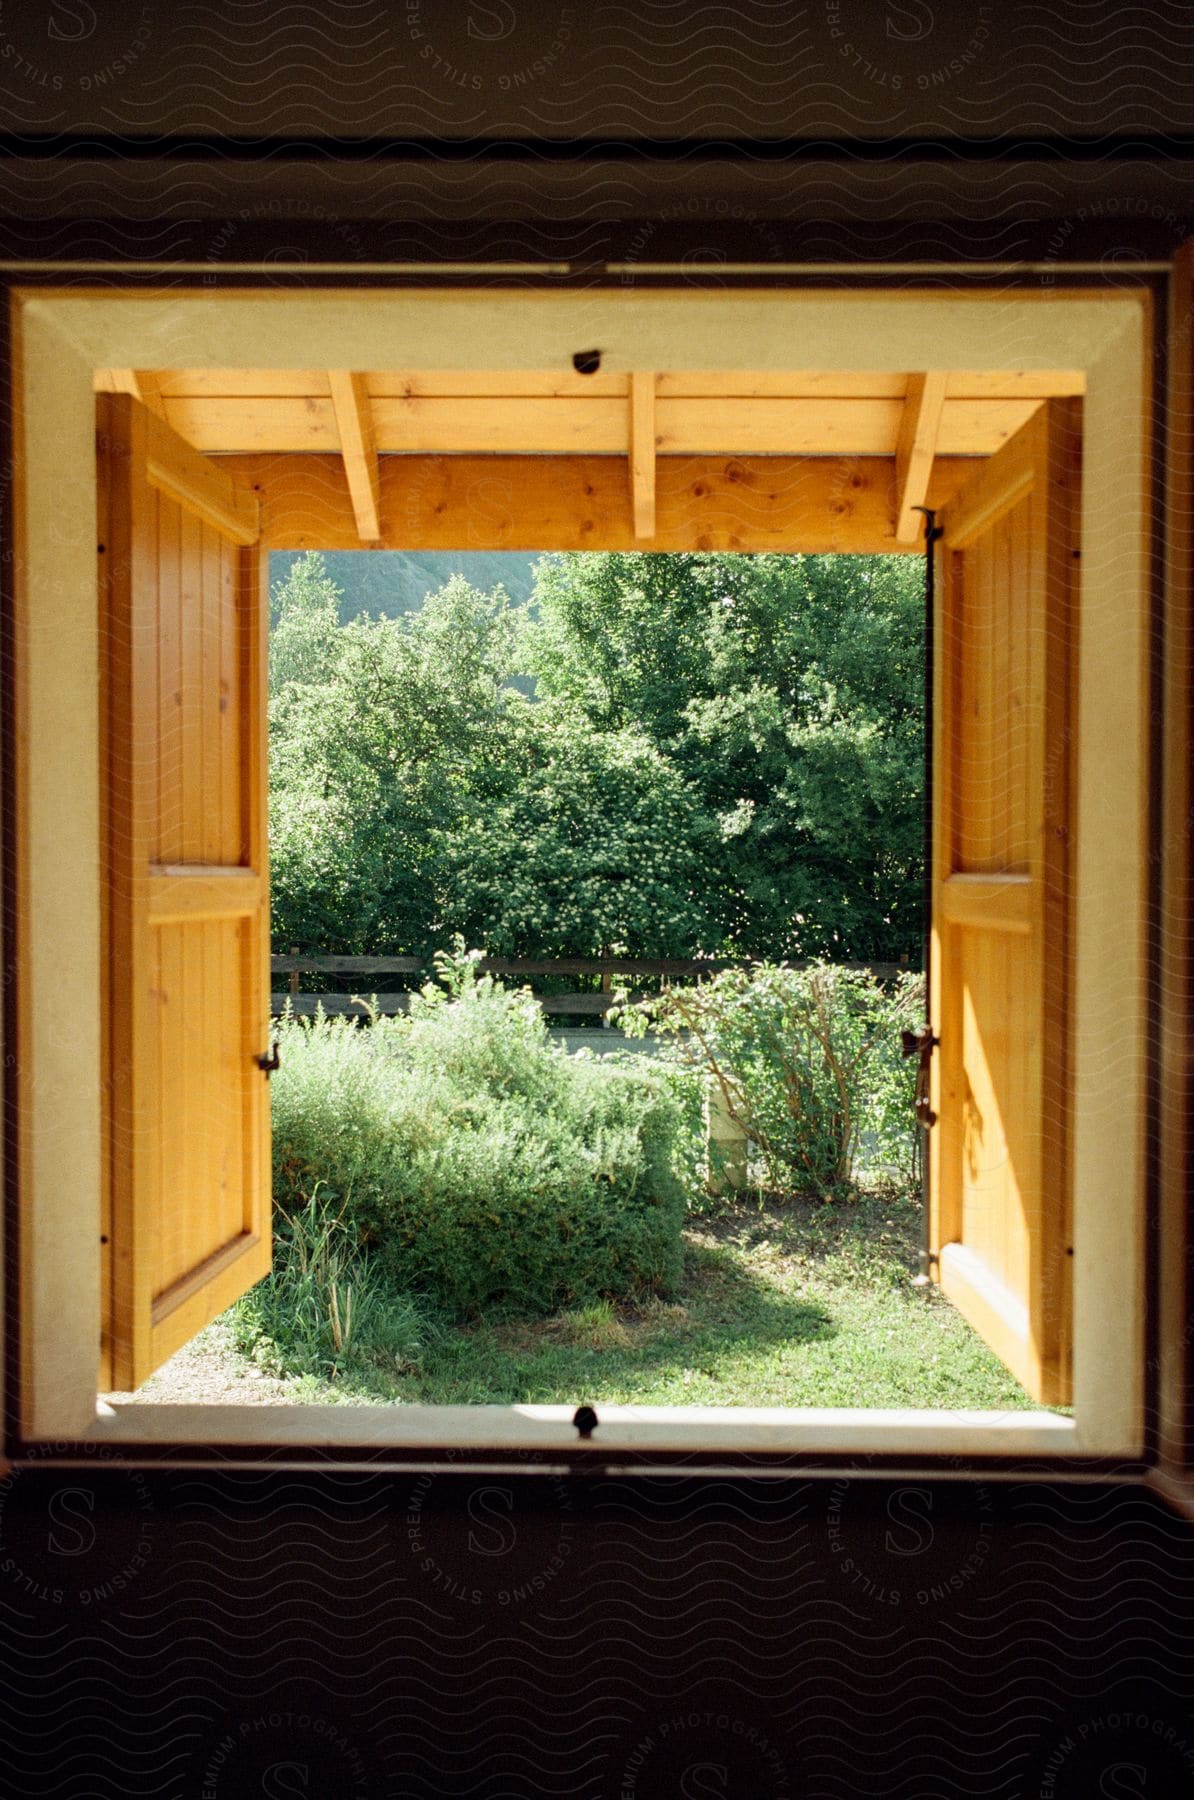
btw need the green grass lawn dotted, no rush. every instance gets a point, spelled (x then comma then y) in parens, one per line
(799, 1304)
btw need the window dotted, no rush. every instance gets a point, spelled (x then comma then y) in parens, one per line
(64, 338)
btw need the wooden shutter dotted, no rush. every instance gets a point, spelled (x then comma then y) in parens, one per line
(1003, 665)
(187, 979)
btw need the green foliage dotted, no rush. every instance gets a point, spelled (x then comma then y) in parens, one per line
(479, 1164)
(304, 645)
(806, 1061)
(786, 693)
(597, 843)
(786, 1303)
(723, 756)
(376, 736)
(324, 1309)
(890, 1090)
(390, 582)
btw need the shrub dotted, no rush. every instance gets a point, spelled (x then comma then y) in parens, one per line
(890, 1084)
(324, 1309)
(807, 1061)
(479, 1163)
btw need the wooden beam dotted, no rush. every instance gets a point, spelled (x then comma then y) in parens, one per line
(683, 384)
(143, 384)
(916, 448)
(148, 388)
(234, 383)
(354, 422)
(202, 486)
(570, 425)
(642, 452)
(820, 504)
(117, 381)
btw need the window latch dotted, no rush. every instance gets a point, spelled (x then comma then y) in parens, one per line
(922, 1044)
(267, 1064)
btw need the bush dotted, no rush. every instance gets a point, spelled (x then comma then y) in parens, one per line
(807, 1062)
(890, 1083)
(323, 1310)
(478, 1163)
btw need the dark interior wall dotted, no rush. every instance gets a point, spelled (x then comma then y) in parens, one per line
(762, 130)
(556, 69)
(281, 1634)
(368, 1635)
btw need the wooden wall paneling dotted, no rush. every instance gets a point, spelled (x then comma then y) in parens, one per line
(590, 424)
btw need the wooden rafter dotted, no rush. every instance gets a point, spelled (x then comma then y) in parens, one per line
(920, 430)
(354, 424)
(201, 486)
(642, 452)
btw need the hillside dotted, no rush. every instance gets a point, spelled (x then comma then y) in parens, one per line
(398, 581)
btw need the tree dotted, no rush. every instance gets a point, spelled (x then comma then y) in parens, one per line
(723, 755)
(786, 691)
(596, 843)
(304, 642)
(416, 791)
(383, 733)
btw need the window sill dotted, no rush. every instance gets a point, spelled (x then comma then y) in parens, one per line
(464, 1435)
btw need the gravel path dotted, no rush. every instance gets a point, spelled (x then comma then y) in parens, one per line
(212, 1372)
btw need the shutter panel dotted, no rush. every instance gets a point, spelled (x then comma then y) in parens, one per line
(1004, 659)
(187, 987)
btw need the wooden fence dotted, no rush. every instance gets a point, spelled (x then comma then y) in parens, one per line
(612, 971)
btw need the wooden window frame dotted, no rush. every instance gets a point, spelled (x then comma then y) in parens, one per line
(61, 336)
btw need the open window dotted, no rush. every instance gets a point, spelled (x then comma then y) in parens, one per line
(1029, 879)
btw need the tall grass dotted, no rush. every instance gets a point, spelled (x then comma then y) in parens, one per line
(325, 1309)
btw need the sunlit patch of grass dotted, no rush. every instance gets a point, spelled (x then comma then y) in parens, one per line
(592, 1327)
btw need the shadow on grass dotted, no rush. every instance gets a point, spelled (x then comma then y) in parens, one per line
(722, 1310)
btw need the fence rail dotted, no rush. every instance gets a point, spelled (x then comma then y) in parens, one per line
(585, 1004)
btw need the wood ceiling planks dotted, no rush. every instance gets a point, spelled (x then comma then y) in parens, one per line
(963, 384)
(536, 426)
(647, 421)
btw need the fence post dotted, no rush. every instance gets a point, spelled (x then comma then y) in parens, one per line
(726, 1144)
(294, 974)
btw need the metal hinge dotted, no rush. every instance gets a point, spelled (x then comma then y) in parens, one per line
(921, 1043)
(268, 1064)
